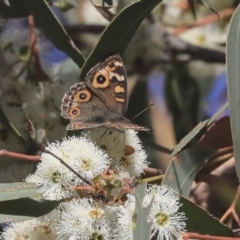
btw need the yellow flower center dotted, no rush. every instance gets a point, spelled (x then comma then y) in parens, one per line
(96, 236)
(87, 164)
(161, 219)
(201, 39)
(96, 213)
(56, 177)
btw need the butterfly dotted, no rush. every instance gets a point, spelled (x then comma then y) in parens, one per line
(101, 100)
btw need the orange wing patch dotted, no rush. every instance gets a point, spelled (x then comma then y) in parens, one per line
(121, 100)
(82, 96)
(101, 79)
(119, 89)
(74, 112)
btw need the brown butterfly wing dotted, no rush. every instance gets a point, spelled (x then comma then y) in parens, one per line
(101, 100)
(83, 108)
(108, 80)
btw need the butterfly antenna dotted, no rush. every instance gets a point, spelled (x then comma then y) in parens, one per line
(143, 111)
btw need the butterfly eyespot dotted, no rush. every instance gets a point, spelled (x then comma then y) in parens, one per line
(111, 65)
(75, 111)
(82, 96)
(101, 79)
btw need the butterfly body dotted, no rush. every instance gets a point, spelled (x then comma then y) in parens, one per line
(101, 100)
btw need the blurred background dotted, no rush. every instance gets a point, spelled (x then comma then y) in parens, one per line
(175, 60)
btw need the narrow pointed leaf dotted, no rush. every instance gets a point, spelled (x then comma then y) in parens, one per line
(192, 7)
(200, 221)
(9, 126)
(143, 228)
(119, 32)
(182, 171)
(233, 79)
(204, 3)
(48, 22)
(201, 127)
(10, 191)
(13, 11)
(25, 208)
(30, 128)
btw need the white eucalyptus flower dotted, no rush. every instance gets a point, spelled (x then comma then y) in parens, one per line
(99, 230)
(54, 180)
(167, 222)
(38, 229)
(137, 161)
(160, 194)
(82, 219)
(20, 230)
(124, 219)
(114, 143)
(74, 220)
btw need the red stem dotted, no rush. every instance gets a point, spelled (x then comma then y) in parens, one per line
(188, 235)
(19, 155)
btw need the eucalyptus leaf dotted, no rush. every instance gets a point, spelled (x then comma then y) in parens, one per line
(191, 4)
(204, 3)
(109, 2)
(9, 126)
(196, 131)
(48, 22)
(200, 221)
(30, 128)
(10, 191)
(233, 79)
(105, 11)
(182, 171)
(119, 32)
(24, 209)
(143, 228)
(13, 11)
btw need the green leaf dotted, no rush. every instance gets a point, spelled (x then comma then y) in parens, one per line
(13, 11)
(192, 7)
(119, 32)
(24, 209)
(45, 18)
(196, 131)
(10, 191)
(109, 2)
(9, 126)
(182, 171)
(204, 3)
(143, 228)
(233, 79)
(200, 221)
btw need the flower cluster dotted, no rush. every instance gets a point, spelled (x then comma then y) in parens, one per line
(95, 205)
(106, 158)
(91, 219)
